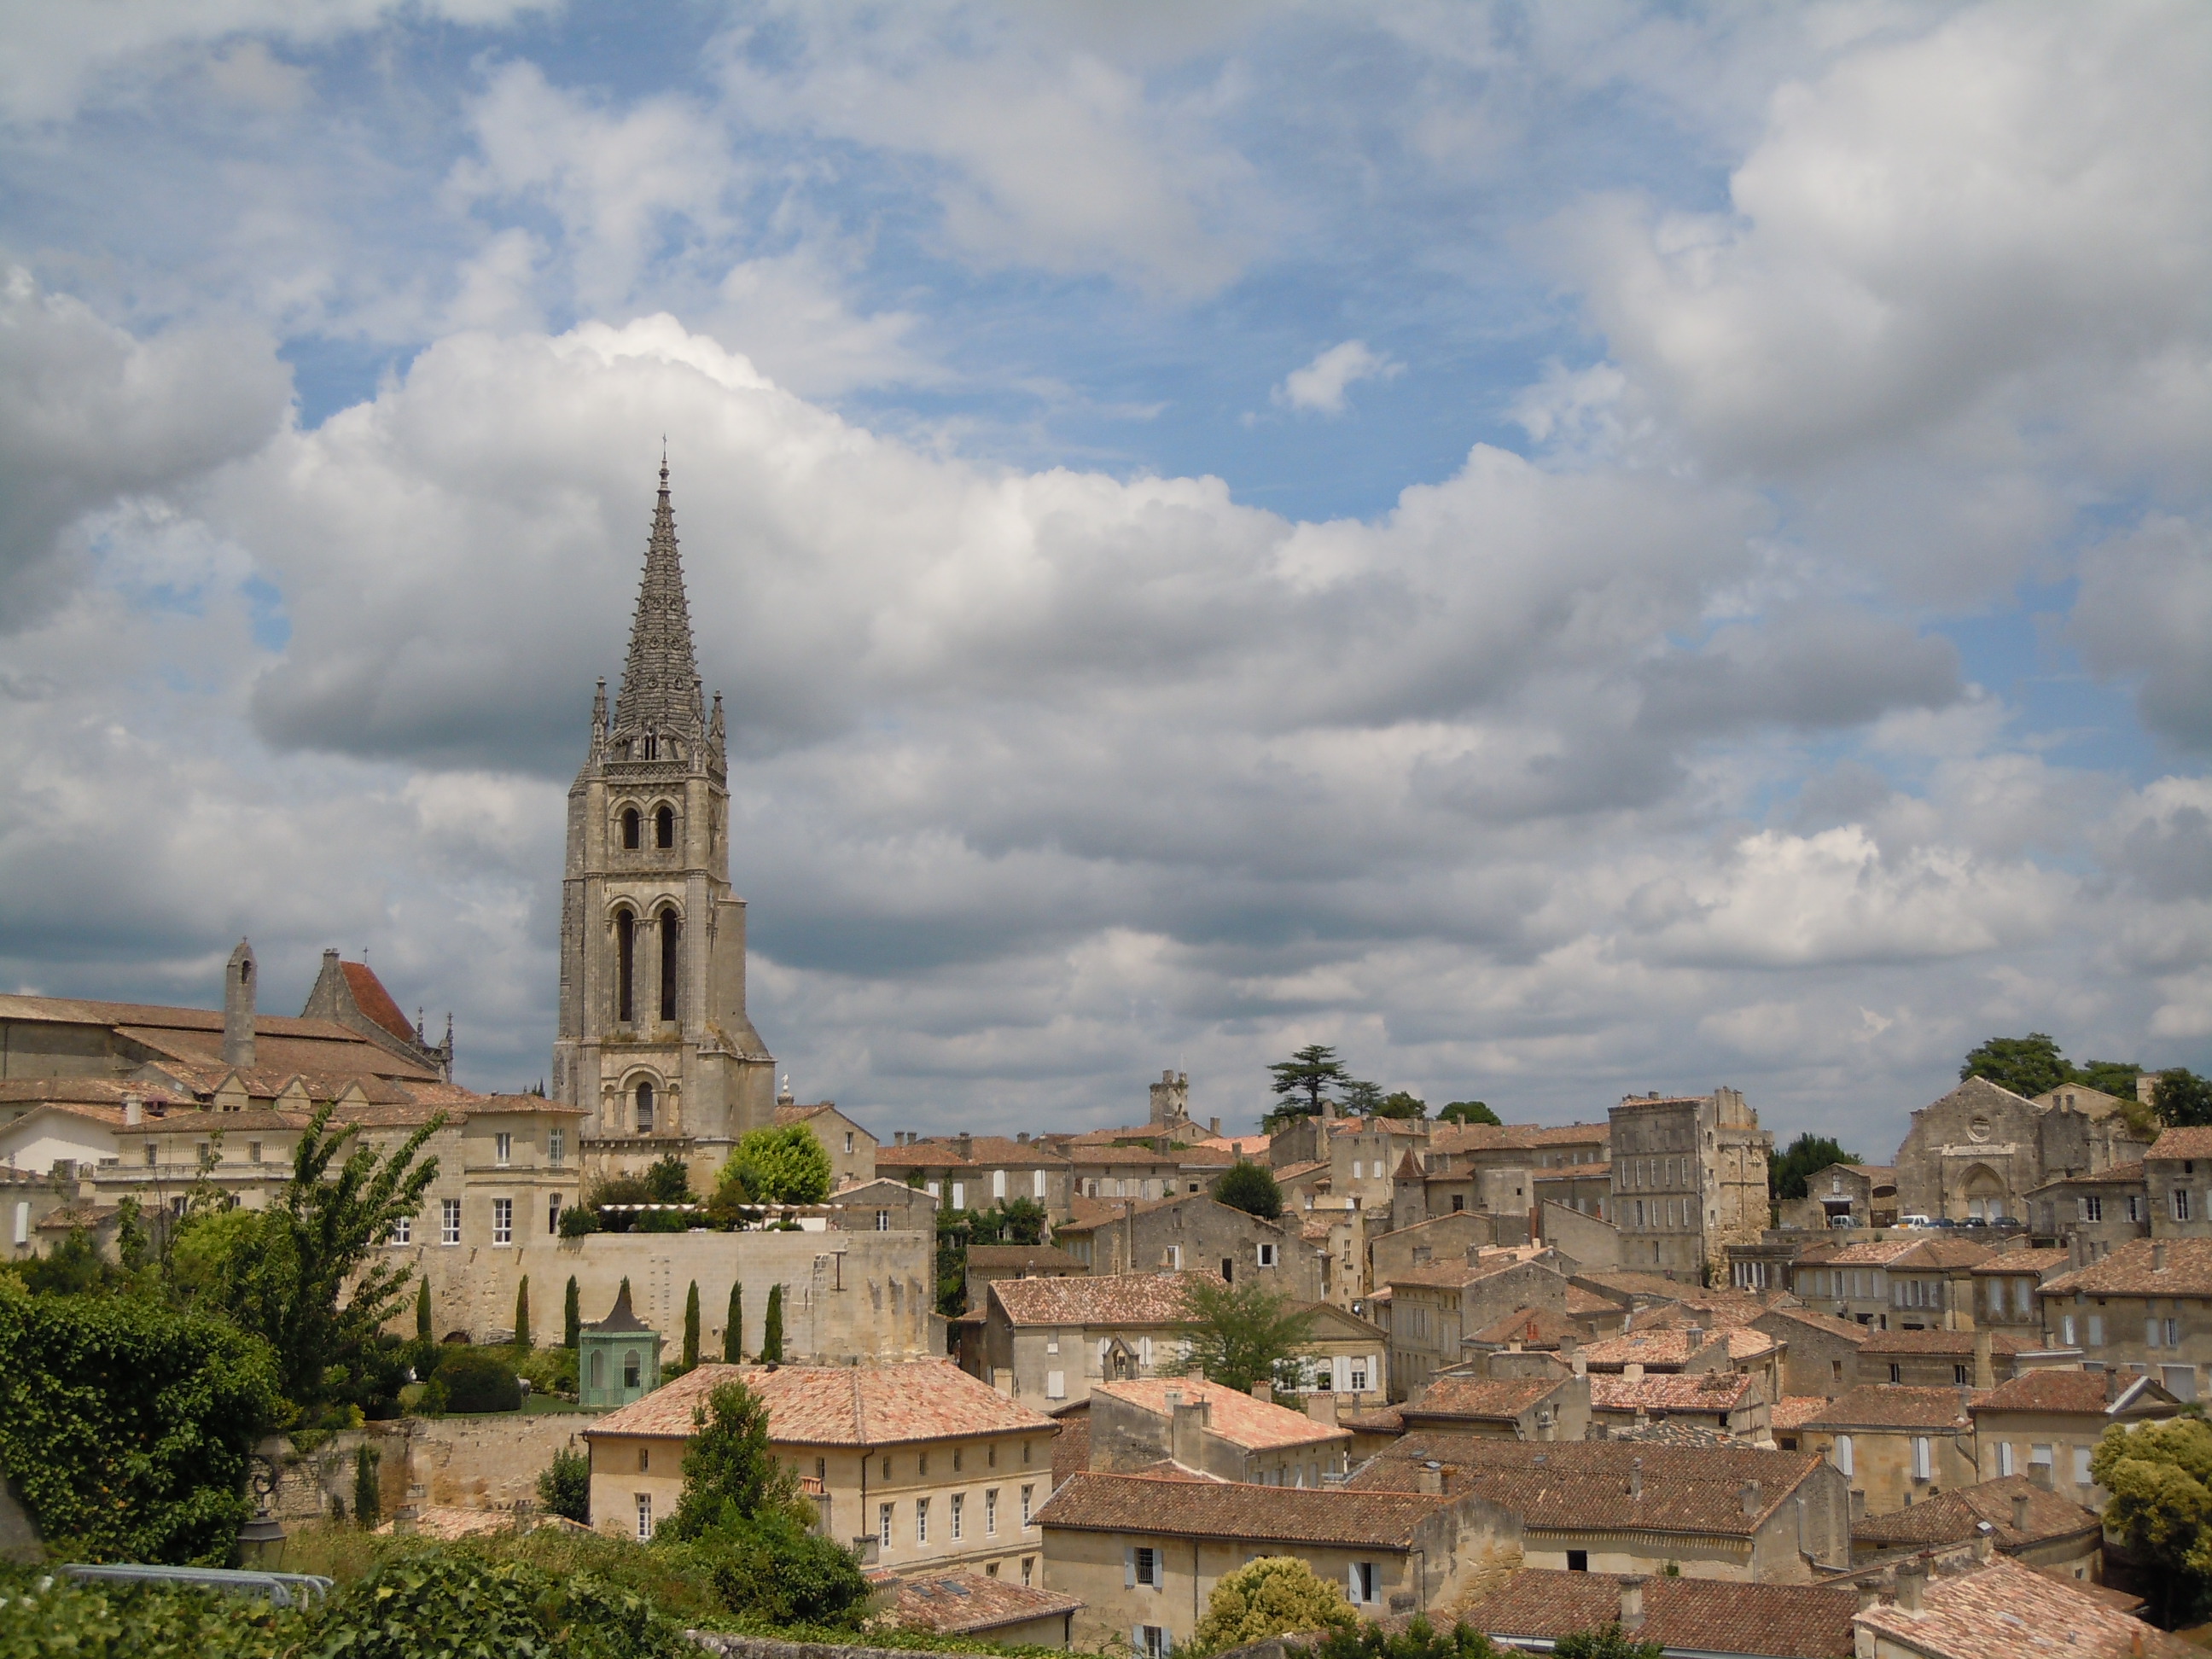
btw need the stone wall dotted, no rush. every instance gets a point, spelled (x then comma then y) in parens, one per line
(456, 1463)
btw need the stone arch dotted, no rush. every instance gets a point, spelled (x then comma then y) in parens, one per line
(1982, 1193)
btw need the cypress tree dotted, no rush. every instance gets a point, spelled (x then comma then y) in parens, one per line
(733, 1334)
(772, 1327)
(422, 1311)
(691, 1328)
(522, 1337)
(572, 1316)
(367, 1497)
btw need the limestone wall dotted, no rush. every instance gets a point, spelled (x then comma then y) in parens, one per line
(456, 1463)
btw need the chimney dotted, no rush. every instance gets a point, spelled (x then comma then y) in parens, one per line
(2158, 1256)
(134, 1111)
(1911, 1581)
(1213, 1126)
(1264, 1392)
(1635, 1478)
(1985, 1371)
(1581, 1363)
(1322, 1407)
(1869, 1594)
(1631, 1602)
(1857, 1508)
(1696, 1335)
(1633, 1372)
(238, 1008)
(2020, 1511)
(1186, 1432)
(1430, 1477)
(1747, 1494)
(2038, 1475)
(1022, 1139)
(967, 1147)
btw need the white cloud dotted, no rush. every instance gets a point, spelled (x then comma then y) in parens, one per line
(1320, 385)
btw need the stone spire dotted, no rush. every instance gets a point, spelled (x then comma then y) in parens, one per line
(661, 682)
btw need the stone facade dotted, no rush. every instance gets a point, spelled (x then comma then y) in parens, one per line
(1689, 1179)
(1978, 1153)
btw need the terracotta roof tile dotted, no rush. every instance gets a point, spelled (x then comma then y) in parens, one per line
(1489, 1398)
(1794, 1411)
(984, 1152)
(1694, 1391)
(837, 1405)
(2038, 1262)
(373, 1000)
(1096, 1502)
(1894, 1405)
(1702, 1615)
(1623, 1283)
(969, 1604)
(2133, 1269)
(1108, 1299)
(2091, 1394)
(1673, 1346)
(1957, 1516)
(1959, 1345)
(1532, 1328)
(2191, 1141)
(1847, 1330)
(1035, 1258)
(2005, 1611)
(1238, 1418)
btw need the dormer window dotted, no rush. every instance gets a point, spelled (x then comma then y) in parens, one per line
(664, 827)
(631, 825)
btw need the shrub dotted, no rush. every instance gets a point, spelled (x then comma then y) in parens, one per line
(550, 1370)
(578, 1220)
(1274, 1596)
(565, 1488)
(431, 1601)
(478, 1380)
(1419, 1640)
(664, 1221)
(668, 1180)
(51, 1615)
(772, 1569)
(1251, 1188)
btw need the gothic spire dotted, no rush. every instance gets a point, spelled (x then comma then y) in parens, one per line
(661, 682)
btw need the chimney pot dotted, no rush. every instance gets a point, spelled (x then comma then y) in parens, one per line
(1748, 1493)
(2158, 1257)
(2020, 1511)
(1631, 1601)
(1430, 1479)
(1264, 1392)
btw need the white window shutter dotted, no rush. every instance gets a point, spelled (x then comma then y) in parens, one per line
(1352, 1585)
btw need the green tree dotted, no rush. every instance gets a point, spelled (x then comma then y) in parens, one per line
(572, 1314)
(2111, 1077)
(1606, 1642)
(1399, 1103)
(422, 1311)
(2160, 1476)
(74, 1266)
(1251, 1187)
(478, 1380)
(522, 1337)
(771, 1352)
(313, 1288)
(367, 1491)
(1467, 1111)
(773, 1571)
(565, 1488)
(1419, 1640)
(730, 1475)
(734, 1332)
(1787, 1171)
(2028, 1065)
(691, 1328)
(2182, 1097)
(781, 1165)
(1240, 1334)
(1272, 1596)
(1361, 1098)
(1303, 1081)
(668, 1180)
(133, 1246)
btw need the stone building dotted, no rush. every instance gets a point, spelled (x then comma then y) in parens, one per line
(1047, 1341)
(851, 1146)
(1897, 1446)
(1195, 1229)
(1208, 1430)
(2147, 1306)
(976, 1172)
(652, 1039)
(2044, 1425)
(1430, 1310)
(347, 994)
(1689, 1179)
(1977, 1153)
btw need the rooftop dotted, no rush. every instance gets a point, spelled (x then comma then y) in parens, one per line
(2005, 1610)
(1674, 1347)
(1957, 1516)
(1108, 1299)
(970, 1603)
(2143, 1267)
(1704, 1615)
(1490, 1399)
(1694, 1391)
(1894, 1405)
(2038, 1262)
(2090, 1394)
(1957, 1345)
(1794, 1411)
(1236, 1416)
(1022, 1258)
(2192, 1142)
(835, 1405)
(1096, 1502)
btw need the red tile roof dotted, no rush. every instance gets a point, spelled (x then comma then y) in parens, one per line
(1238, 1418)
(1108, 1299)
(1700, 1615)
(1893, 1405)
(1673, 1347)
(2005, 1611)
(1486, 1399)
(970, 1604)
(2090, 1393)
(2193, 1140)
(2134, 1269)
(1695, 1391)
(1958, 1515)
(1794, 1411)
(1532, 1328)
(2038, 1262)
(1142, 1503)
(373, 1000)
(837, 1405)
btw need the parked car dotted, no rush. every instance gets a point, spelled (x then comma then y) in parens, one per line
(1914, 1221)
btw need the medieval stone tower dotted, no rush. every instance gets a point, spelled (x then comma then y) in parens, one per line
(654, 1040)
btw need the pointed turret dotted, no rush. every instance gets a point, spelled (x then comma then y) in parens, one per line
(659, 695)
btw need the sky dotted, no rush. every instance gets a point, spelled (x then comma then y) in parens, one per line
(1561, 551)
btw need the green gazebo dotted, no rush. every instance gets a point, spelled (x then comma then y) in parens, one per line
(618, 1359)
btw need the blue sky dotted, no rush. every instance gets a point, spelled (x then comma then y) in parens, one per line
(1562, 549)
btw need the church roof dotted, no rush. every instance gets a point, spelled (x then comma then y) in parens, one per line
(373, 1000)
(660, 680)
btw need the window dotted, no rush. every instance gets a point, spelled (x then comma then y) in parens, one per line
(2004, 1458)
(997, 1183)
(644, 1517)
(1175, 1258)
(2093, 1207)
(922, 1466)
(502, 1147)
(2173, 1333)
(2066, 1330)
(1036, 1184)
(402, 1230)
(552, 1215)
(1896, 1372)
(644, 1459)
(2081, 1465)
(2039, 1455)
(633, 1371)
(1029, 1494)
(1151, 1640)
(1577, 1560)
(958, 1458)
(2134, 1207)
(669, 929)
(1142, 1567)
(645, 1108)
(2180, 1204)
(1961, 1376)
(883, 1221)
(625, 965)
(1267, 1256)
(630, 822)
(2096, 1330)
(2180, 1381)
(1459, 1202)
(848, 1142)
(1361, 1587)
(449, 1221)
(502, 1221)
(884, 1526)
(922, 1520)
(2150, 1333)
(253, 1151)
(1356, 1376)
(958, 1504)
(959, 1194)
(1028, 1566)
(556, 1146)
(664, 827)
(1923, 1467)
(1844, 1454)
(1356, 1169)
(152, 1157)
(2022, 1290)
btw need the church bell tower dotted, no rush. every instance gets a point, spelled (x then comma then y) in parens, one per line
(654, 1040)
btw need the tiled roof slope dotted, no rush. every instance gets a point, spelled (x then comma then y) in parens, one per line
(1696, 1615)
(837, 1405)
(1959, 1345)
(2132, 1269)
(1033, 1257)
(373, 1000)
(1694, 1391)
(1534, 1327)
(1583, 1484)
(984, 1152)
(1894, 1405)
(1848, 1330)
(1484, 1398)
(1642, 1346)
(1957, 1516)
(1236, 1416)
(1794, 1411)
(2038, 1262)
(1108, 1299)
(2193, 1140)
(2088, 1393)
(1096, 1502)
(967, 1603)
(2005, 1610)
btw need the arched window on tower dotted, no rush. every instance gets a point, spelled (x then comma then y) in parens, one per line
(670, 928)
(645, 1108)
(652, 746)
(664, 827)
(631, 826)
(625, 965)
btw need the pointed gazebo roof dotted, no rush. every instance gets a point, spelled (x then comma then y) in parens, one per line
(623, 1318)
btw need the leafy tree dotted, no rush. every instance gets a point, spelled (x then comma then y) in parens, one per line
(455, 1601)
(578, 1220)
(422, 1310)
(734, 1332)
(2160, 1476)
(522, 1336)
(783, 1165)
(668, 1180)
(1361, 1098)
(73, 1267)
(368, 1493)
(1010, 1221)
(2028, 1065)
(1272, 1596)
(1303, 1080)
(691, 1328)
(1607, 1642)
(133, 1246)
(1467, 1111)
(771, 1352)
(2182, 1097)
(1240, 1334)
(730, 1475)
(775, 1571)
(313, 1287)
(1787, 1171)
(565, 1488)
(572, 1316)
(1251, 1187)
(1400, 1104)
(1419, 1640)
(2111, 1077)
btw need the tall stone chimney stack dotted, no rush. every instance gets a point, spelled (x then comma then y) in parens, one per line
(238, 977)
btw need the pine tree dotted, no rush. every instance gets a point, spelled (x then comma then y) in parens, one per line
(772, 1327)
(691, 1328)
(733, 1334)
(422, 1312)
(572, 1316)
(522, 1337)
